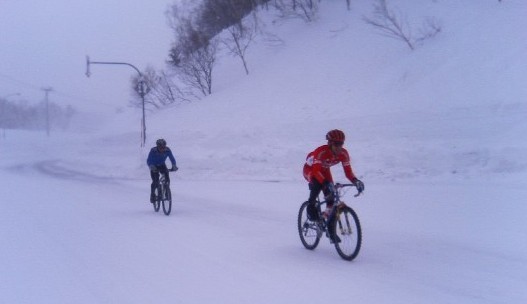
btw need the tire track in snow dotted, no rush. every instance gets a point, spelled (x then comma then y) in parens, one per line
(54, 169)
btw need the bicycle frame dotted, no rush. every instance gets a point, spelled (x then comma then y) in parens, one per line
(337, 203)
(162, 184)
(342, 226)
(163, 194)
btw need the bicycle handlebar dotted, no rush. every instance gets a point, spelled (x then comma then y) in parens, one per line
(339, 186)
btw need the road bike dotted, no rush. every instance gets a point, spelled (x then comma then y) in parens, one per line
(163, 195)
(342, 223)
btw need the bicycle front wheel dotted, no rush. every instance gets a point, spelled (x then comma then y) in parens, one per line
(347, 228)
(167, 201)
(308, 231)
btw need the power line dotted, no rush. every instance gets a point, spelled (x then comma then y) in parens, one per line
(19, 82)
(38, 88)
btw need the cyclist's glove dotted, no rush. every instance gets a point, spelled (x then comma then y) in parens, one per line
(153, 168)
(358, 184)
(174, 168)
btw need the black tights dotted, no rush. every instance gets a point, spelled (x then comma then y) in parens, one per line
(316, 187)
(155, 177)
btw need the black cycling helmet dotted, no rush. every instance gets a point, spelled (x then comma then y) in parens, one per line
(161, 143)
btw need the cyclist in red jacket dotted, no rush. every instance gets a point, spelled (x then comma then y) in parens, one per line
(317, 171)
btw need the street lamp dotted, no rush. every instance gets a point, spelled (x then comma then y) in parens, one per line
(143, 90)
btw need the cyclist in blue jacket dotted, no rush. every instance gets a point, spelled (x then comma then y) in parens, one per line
(156, 163)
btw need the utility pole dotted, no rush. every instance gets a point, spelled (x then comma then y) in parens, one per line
(46, 91)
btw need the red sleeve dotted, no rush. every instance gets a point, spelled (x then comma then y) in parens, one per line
(346, 165)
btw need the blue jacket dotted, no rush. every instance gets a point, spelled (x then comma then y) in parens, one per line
(157, 158)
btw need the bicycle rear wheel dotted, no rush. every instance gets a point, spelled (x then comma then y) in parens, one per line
(157, 201)
(308, 231)
(167, 201)
(347, 228)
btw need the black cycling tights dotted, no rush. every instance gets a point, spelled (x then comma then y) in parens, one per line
(155, 176)
(315, 186)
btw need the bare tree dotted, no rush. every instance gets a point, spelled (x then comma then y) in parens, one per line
(167, 90)
(195, 68)
(390, 24)
(241, 35)
(305, 9)
(193, 54)
(163, 89)
(395, 25)
(217, 15)
(430, 28)
(309, 8)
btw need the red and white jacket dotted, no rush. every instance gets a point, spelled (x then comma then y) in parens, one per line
(319, 161)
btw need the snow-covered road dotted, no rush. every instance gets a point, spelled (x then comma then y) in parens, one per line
(94, 240)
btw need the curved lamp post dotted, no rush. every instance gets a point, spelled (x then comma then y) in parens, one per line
(142, 90)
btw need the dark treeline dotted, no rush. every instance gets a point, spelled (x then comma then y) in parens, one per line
(21, 115)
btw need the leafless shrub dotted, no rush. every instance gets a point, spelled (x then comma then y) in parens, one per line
(161, 89)
(304, 9)
(394, 24)
(240, 36)
(195, 68)
(193, 54)
(390, 23)
(431, 27)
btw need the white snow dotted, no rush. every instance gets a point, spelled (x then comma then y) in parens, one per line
(438, 135)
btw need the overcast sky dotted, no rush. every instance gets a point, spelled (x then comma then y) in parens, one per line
(45, 43)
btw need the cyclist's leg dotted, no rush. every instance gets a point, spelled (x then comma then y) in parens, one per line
(155, 180)
(315, 187)
(331, 221)
(328, 196)
(163, 169)
(331, 216)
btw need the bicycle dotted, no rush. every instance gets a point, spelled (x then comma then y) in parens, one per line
(345, 226)
(163, 195)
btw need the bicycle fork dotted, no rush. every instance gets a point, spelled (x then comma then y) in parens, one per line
(343, 230)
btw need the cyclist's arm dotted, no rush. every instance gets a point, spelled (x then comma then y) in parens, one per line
(172, 158)
(348, 171)
(149, 159)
